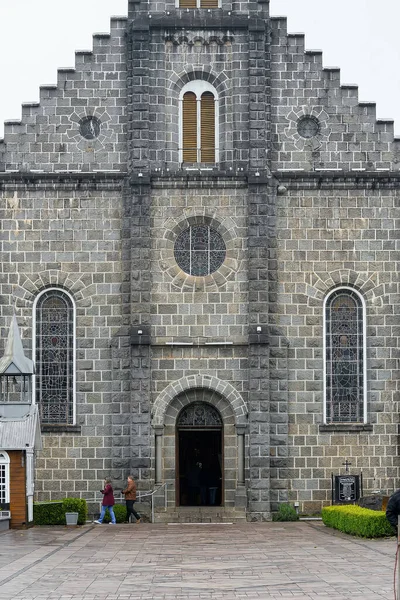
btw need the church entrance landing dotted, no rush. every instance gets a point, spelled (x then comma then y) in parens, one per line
(200, 455)
(199, 443)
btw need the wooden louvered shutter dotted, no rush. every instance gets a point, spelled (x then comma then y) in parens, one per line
(209, 3)
(189, 127)
(207, 128)
(187, 3)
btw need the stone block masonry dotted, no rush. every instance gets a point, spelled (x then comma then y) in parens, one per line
(304, 195)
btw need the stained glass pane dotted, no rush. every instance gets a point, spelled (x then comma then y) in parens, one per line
(199, 414)
(344, 358)
(199, 250)
(54, 357)
(308, 127)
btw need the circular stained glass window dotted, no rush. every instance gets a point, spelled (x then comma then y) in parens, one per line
(199, 250)
(308, 127)
(89, 127)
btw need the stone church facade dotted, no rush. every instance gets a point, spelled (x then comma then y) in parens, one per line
(200, 241)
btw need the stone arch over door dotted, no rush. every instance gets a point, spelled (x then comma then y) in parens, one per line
(165, 425)
(218, 389)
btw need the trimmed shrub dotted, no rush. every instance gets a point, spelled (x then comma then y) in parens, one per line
(53, 513)
(76, 505)
(355, 520)
(286, 512)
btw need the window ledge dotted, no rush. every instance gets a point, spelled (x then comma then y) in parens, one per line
(60, 428)
(345, 427)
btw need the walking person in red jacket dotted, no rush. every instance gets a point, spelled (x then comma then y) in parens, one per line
(130, 497)
(108, 502)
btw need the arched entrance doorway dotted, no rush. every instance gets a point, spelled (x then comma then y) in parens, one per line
(199, 445)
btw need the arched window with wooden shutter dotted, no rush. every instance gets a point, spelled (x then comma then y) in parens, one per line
(187, 3)
(208, 3)
(207, 127)
(199, 123)
(198, 4)
(189, 127)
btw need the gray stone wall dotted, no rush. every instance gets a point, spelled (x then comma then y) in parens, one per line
(350, 137)
(325, 239)
(47, 136)
(68, 236)
(299, 217)
(219, 56)
(182, 306)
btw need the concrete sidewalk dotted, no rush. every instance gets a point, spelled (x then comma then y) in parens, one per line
(131, 562)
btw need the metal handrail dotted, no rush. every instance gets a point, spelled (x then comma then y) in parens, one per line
(151, 494)
(139, 496)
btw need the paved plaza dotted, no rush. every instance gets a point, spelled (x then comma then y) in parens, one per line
(140, 562)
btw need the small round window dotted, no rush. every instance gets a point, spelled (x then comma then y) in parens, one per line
(199, 250)
(308, 127)
(89, 127)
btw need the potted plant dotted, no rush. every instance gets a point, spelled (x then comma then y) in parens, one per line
(71, 518)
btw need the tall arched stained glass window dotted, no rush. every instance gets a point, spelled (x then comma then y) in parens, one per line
(54, 357)
(345, 388)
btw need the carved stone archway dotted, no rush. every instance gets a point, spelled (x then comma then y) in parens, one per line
(164, 405)
(233, 414)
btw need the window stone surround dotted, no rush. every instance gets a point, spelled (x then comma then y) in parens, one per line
(218, 278)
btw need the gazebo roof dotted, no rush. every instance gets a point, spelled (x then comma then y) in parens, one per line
(14, 361)
(22, 430)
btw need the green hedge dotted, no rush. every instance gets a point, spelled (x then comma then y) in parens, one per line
(53, 513)
(358, 521)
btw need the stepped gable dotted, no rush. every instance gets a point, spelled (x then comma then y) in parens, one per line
(48, 138)
(348, 136)
(344, 132)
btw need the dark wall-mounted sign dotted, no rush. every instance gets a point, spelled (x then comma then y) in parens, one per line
(346, 488)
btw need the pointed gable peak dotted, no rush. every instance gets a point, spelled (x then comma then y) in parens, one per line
(14, 361)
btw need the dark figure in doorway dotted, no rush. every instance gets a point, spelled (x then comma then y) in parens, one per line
(130, 497)
(193, 480)
(203, 480)
(214, 482)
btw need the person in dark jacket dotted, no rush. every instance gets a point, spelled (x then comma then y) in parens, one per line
(108, 502)
(130, 497)
(393, 509)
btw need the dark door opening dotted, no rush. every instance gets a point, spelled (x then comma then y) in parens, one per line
(200, 467)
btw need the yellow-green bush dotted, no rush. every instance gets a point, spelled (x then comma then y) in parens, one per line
(357, 521)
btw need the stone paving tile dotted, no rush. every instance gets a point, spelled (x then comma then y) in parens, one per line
(271, 561)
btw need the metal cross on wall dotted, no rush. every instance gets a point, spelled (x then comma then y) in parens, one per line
(347, 464)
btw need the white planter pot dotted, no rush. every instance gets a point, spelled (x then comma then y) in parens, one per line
(71, 518)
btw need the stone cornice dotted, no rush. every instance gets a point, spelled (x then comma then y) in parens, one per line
(314, 180)
(197, 19)
(69, 180)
